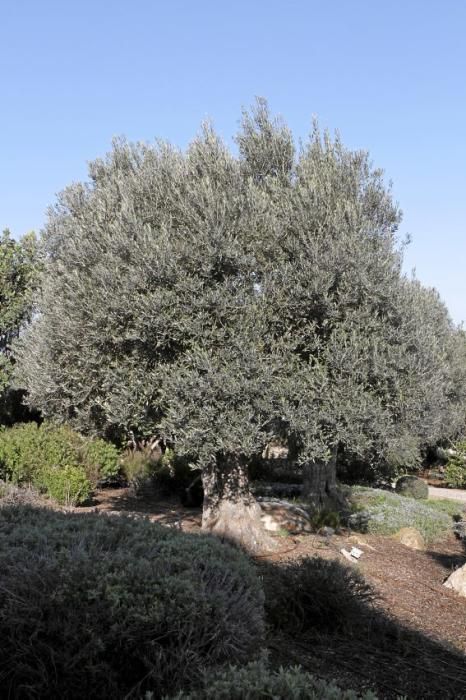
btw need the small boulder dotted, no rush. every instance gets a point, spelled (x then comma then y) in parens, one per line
(326, 531)
(457, 581)
(280, 515)
(410, 537)
(412, 486)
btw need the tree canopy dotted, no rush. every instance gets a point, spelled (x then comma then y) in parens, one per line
(219, 300)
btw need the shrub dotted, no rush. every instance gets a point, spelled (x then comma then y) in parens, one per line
(68, 485)
(137, 469)
(256, 681)
(31, 454)
(169, 473)
(325, 518)
(385, 513)
(26, 448)
(412, 486)
(101, 460)
(98, 606)
(455, 470)
(315, 593)
(11, 494)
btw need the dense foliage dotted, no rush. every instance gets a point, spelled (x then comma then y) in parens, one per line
(56, 460)
(19, 275)
(221, 301)
(97, 606)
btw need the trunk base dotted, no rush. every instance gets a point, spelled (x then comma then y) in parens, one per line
(240, 524)
(230, 511)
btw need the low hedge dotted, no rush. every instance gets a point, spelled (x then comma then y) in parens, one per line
(102, 606)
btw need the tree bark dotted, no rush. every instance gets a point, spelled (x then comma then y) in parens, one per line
(320, 483)
(230, 511)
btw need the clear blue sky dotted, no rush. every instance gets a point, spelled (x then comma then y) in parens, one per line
(391, 76)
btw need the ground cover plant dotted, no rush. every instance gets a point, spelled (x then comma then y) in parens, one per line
(101, 606)
(257, 680)
(388, 512)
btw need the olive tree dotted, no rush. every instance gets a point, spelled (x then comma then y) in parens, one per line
(224, 300)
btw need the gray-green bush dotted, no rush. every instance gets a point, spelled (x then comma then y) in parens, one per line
(257, 681)
(98, 606)
(315, 594)
(412, 486)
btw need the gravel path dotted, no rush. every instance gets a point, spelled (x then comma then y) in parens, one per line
(450, 494)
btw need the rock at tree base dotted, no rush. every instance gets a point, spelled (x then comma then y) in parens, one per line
(457, 581)
(281, 515)
(410, 537)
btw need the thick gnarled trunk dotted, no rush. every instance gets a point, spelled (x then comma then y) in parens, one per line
(320, 483)
(230, 511)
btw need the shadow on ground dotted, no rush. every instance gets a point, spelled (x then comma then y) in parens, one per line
(158, 507)
(368, 649)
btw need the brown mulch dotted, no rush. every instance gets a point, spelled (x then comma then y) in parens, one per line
(409, 582)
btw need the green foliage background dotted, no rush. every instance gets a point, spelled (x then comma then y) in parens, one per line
(20, 266)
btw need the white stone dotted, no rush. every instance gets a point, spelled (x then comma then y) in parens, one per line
(457, 581)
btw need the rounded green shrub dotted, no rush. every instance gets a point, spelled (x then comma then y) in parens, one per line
(256, 681)
(315, 594)
(101, 606)
(412, 486)
(32, 454)
(26, 449)
(68, 485)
